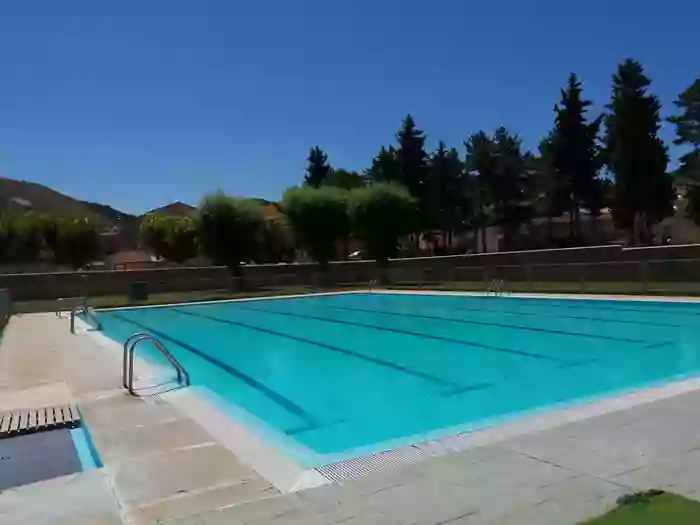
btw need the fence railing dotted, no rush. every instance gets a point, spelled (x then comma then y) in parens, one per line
(666, 276)
(663, 276)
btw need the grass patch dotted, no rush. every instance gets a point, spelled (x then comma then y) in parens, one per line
(651, 508)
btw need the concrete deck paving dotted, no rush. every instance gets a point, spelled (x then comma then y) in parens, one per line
(162, 467)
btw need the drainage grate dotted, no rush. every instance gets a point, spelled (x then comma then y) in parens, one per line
(351, 468)
(18, 422)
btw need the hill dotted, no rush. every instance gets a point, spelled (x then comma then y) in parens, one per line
(177, 209)
(18, 196)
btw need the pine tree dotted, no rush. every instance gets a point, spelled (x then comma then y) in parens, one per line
(385, 167)
(445, 190)
(412, 165)
(317, 169)
(688, 129)
(481, 169)
(510, 188)
(688, 134)
(574, 155)
(635, 154)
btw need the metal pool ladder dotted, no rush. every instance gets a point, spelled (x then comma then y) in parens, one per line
(183, 378)
(496, 287)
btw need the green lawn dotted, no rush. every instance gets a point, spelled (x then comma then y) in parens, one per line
(651, 508)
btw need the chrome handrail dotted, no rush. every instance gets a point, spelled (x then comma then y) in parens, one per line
(126, 353)
(495, 287)
(183, 377)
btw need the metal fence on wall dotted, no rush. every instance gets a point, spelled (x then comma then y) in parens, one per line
(666, 276)
(672, 276)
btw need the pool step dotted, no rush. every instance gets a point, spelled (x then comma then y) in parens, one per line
(16, 422)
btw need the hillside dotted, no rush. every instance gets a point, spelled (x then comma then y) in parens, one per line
(19, 196)
(177, 209)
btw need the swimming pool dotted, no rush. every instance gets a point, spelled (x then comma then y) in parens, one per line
(334, 376)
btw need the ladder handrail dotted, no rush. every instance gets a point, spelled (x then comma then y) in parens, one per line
(182, 376)
(89, 313)
(126, 354)
(495, 286)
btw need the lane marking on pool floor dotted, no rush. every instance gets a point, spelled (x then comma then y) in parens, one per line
(435, 337)
(374, 360)
(486, 323)
(278, 398)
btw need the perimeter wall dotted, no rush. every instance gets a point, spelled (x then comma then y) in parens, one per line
(679, 263)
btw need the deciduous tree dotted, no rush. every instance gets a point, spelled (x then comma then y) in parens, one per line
(380, 215)
(74, 242)
(228, 229)
(319, 218)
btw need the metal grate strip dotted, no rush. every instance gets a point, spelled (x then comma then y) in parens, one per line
(17, 422)
(352, 468)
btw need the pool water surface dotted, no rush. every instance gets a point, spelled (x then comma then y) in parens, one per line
(337, 374)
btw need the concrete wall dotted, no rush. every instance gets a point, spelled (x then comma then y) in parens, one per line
(4, 306)
(599, 263)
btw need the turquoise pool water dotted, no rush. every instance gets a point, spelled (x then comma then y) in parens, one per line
(328, 377)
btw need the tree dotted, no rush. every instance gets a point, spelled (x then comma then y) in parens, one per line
(21, 238)
(385, 167)
(181, 239)
(411, 158)
(73, 241)
(319, 219)
(510, 189)
(228, 229)
(277, 242)
(481, 166)
(503, 182)
(170, 237)
(317, 169)
(347, 180)
(380, 215)
(635, 154)
(688, 134)
(447, 196)
(575, 156)
(153, 232)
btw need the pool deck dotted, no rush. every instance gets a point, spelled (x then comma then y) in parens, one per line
(160, 466)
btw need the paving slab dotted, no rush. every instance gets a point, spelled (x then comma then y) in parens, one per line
(85, 497)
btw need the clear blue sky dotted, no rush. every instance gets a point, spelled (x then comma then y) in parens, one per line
(136, 103)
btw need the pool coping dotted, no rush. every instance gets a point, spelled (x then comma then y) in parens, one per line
(287, 475)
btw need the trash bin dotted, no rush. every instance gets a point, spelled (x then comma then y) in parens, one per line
(139, 291)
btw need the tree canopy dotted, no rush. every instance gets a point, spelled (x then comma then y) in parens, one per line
(574, 155)
(170, 237)
(636, 155)
(229, 229)
(381, 214)
(317, 169)
(319, 219)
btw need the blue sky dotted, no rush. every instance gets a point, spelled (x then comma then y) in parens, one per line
(136, 103)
